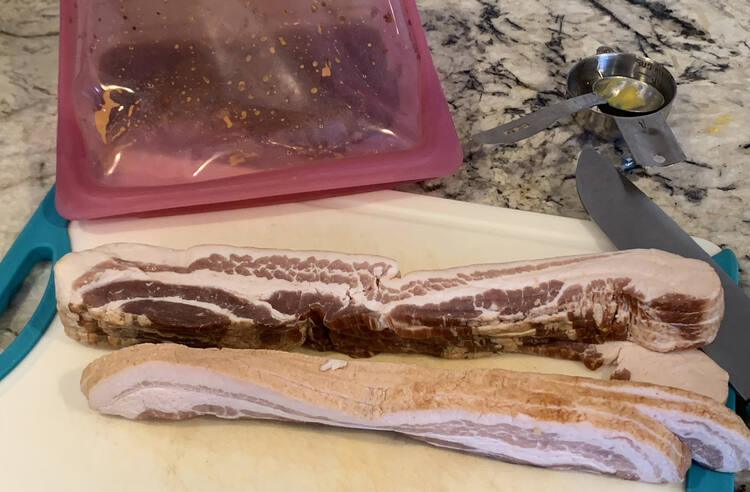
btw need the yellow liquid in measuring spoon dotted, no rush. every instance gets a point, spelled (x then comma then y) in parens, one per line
(626, 98)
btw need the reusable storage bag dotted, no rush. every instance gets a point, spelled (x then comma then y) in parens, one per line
(166, 104)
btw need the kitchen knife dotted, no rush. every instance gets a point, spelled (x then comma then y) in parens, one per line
(631, 220)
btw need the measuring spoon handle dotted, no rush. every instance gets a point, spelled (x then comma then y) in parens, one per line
(532, 123)
(650, 139)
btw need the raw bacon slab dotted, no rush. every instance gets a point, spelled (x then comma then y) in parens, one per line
(631, 430)
(122, 294)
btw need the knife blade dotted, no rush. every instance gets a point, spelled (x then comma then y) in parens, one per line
(631, 220)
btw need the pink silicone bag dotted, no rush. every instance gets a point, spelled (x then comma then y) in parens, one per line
(170, 104)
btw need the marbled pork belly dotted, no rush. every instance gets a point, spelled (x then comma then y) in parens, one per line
(635, 431)
(121, 294)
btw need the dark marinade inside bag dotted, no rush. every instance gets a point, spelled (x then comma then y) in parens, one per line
(313, 92)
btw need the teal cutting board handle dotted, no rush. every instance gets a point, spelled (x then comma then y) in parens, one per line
(698, 478)
(45, 237)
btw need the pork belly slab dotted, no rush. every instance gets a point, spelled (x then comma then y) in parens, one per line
(635, 431)
(121, 294)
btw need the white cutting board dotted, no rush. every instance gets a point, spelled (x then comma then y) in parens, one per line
(50, 440)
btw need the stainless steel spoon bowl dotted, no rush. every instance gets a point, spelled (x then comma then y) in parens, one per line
(606, 63)
(648, 136)
(631, 95)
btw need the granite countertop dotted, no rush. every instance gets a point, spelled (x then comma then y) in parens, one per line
(496, 60)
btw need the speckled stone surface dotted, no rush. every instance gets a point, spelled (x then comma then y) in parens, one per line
(496, 60)
(500, 59)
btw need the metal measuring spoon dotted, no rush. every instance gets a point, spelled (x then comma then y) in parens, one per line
(622, 93)
(649, 138)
